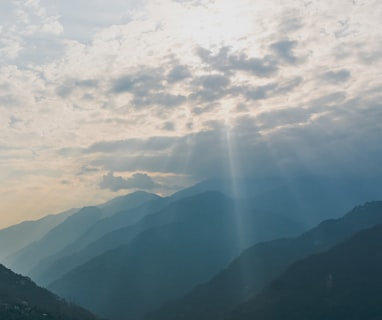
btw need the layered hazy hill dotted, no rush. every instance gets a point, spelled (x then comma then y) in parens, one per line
(343, 283)
(142, 254)
(70, 229)
(21, 299)
(196, 237)
(105, 234)
(31, 231)
(267, 225)
(259, 265)
(308, 199)
(76, 252)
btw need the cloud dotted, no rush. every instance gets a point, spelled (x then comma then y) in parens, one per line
(200, 155)
(219, 61)
(205, 96)
(137, 181)
(169, 126)
(14, 122)
(160, 99)
(7, 9)
(298, 140)
(147, 89)
(178, 73)
(332, 99)
(285, 117)
(72, 85)
(9, 100)
(87, 170)
(41, 49)
(139, 83)
(209, 88)
(244, 88)
(261, 92)
(266, 91)
(226, 62)
(30, 34)
(337, 77)
(291, 21)
(212, 88)
(133, 145)
(81, 24)
(213, 82)
(284, 50)
(264, 67)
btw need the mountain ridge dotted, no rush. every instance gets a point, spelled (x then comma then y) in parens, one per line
(342, 283)
(200, 230)
(32, 230)
(22, 299)
(261, 263)
(73, 227)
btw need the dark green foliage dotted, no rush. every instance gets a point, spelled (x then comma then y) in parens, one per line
(260, 264)
(21, 299)
(344, 283)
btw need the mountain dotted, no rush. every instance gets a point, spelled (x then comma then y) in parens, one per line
(56, 239)
(76, 253)
(62, 262)
(121, 219)
(260, 264)
(312, 198)
(343, 283)
(21, 299)
(127, 202)
(188, 242)
(55, 266)
(308, 199)
(11, 242)
(66, 233)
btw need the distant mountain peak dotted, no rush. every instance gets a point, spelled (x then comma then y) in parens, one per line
(127, 202)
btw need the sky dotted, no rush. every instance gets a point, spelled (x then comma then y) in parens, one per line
(100, 98)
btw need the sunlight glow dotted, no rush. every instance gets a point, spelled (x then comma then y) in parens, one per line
(217, 25)
(234, 174)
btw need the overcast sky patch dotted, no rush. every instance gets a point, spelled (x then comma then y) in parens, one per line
(115, 95)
